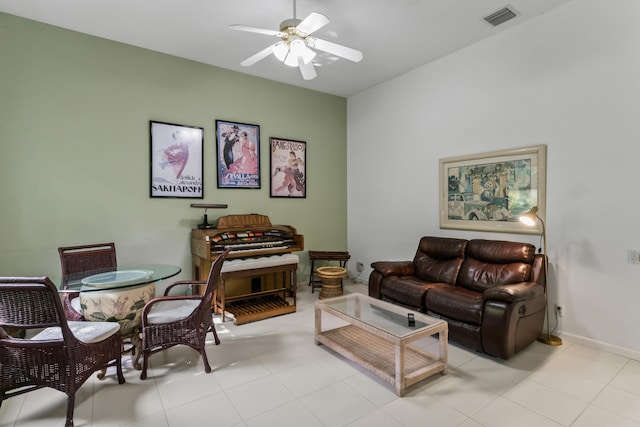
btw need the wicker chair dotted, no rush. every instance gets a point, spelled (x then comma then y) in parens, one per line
(76, 261)
(168, 321)
(63, 355)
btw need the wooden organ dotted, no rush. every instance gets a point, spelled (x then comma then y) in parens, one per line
(258, 278)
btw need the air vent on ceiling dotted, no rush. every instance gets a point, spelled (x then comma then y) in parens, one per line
(503, 15)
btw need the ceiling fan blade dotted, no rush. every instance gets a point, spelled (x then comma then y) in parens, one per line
(308, 70)
(258, 56)
(312, 23)
(255, 30)
(337, 49)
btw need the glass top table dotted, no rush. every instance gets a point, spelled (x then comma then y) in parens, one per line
(378, 336)
(384, 316)
(122, 277)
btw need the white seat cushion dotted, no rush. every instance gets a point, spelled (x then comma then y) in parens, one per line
(171, 311)
(87, 332)
(238, 264)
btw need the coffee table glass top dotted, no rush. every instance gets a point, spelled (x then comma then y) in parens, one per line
(382, 315)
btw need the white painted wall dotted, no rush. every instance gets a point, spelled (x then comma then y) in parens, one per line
(569, 79)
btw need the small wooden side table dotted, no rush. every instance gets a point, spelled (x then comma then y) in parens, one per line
(341, 257)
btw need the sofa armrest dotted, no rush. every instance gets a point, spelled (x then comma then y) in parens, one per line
(522, 291)
(394, 268)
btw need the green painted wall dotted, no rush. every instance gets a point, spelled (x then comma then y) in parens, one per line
(74, 149)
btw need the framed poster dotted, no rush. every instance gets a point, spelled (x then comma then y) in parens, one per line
(176, 160)
(490, 191)
(288, 168)
(238, 155)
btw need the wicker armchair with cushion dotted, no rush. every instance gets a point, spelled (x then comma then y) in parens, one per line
(75, 261)
(168, 321)
(61, 355)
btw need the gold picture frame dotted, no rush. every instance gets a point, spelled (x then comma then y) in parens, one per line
(490, 191)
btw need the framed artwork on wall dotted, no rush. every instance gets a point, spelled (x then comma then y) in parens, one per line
(237, 154)
(176, 160)
(288, 168)
(490, 191)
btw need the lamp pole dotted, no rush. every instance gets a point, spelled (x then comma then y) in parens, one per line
(530, 218)
(548, 339)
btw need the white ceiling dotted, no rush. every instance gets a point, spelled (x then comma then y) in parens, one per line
(395, 36)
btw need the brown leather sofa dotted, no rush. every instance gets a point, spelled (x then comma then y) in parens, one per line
(491, 292)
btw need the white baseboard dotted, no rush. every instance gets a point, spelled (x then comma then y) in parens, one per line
(611, 348)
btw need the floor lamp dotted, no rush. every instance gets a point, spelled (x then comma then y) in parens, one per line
(531, 218)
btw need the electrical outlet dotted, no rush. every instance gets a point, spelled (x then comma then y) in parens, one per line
(359, 267)
(560, 310)
(633, 257)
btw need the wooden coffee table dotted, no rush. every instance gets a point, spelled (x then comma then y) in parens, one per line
(375, 334)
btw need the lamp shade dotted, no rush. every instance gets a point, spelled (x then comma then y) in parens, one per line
(308, 55)
(291, 52)
(530, 218)
(291, 60)
(297, 47)
(280, 51)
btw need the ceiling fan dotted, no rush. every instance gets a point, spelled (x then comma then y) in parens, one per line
(295, 47)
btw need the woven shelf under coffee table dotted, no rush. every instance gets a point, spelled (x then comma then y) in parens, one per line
(375, 334)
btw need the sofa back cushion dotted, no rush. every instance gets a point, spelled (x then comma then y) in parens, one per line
(438, 259)
(489, 263)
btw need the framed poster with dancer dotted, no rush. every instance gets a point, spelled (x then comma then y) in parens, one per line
(288, 168)
(176, 160)
(238, 155)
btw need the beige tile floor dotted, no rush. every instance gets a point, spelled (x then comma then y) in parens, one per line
(270, 373)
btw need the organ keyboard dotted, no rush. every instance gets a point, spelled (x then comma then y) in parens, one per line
(248, 236)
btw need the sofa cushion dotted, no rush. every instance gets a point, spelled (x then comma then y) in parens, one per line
(407, 290)
(438, 259)
(490, 263)
(456, 303)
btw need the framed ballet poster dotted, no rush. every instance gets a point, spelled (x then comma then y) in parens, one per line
(176, 160)
(288, 168)
(238, 155)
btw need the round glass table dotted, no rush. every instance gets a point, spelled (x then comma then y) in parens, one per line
(125, 276)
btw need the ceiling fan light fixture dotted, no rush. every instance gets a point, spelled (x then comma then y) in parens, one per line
(308, 55)
(289, 52)
(297, 47)
(280, 51)
(291, 61)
